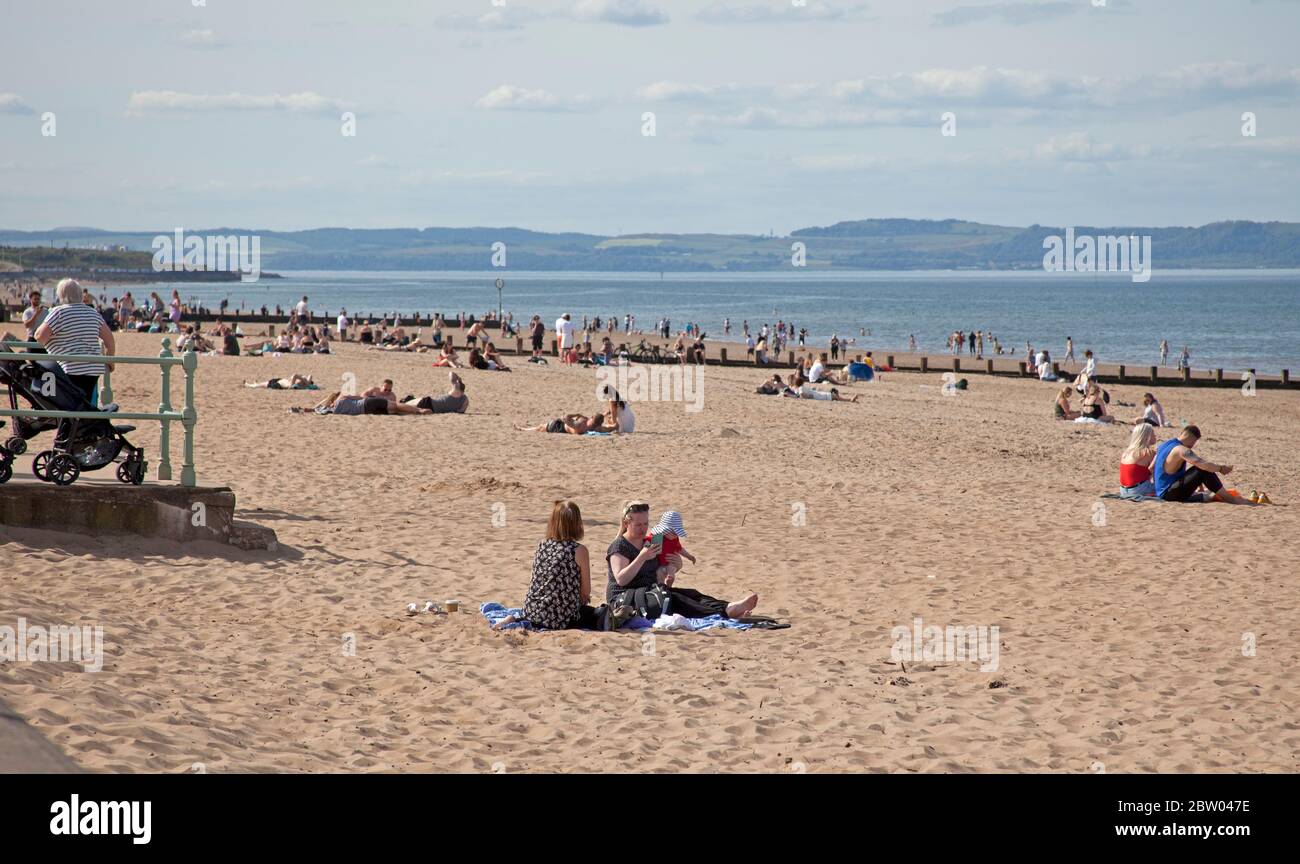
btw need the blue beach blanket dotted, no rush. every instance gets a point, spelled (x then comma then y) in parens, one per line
(495, 612)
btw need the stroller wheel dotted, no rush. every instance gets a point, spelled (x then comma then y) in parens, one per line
(63, 470)
(16, 446)
(132, 469)
(6, 471)
(40, 463)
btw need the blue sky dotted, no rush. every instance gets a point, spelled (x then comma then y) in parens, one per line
(768, 115)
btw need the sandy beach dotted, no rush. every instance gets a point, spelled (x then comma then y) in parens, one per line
(1122, 625)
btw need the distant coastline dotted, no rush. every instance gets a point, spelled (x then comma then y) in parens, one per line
(870, 244)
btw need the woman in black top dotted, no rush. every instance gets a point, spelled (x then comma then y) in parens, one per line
(633, 563)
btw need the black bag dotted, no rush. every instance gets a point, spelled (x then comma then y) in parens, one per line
(648, 602)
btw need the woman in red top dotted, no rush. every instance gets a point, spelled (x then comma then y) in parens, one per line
(1135, 464)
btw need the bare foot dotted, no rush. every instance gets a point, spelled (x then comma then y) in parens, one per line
(743, 608)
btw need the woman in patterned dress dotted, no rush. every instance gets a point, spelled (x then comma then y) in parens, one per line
(559, 596)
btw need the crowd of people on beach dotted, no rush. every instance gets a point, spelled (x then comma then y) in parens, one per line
(1172, 471)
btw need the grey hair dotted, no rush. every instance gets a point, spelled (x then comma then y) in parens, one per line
(69, 292)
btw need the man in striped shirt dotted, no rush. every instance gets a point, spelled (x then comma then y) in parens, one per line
(72, 327)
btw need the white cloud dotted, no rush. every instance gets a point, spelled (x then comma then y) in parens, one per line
(674, 91)
(980, 85)
(201, 39)
(1082, 147)
(781, 12)
(1016, 14)
(628, 13)
(1185, 88)
(508, 97)
(775, 118)
(502, 18)
(168, 101)
(839, 162)
(12, 103)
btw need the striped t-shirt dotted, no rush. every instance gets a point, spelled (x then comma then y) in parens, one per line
(75, 330)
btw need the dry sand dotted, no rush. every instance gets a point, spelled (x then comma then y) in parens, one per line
(1121, 643)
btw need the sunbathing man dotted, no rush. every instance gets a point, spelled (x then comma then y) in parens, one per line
(1179, 473)
(339, 403)
(297, 382)
(454, 402)
(383, 391)
(807, 391)
(572, 424)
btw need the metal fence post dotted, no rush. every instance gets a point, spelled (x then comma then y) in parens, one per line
(189, 418)
(165, 407)
(106, 388)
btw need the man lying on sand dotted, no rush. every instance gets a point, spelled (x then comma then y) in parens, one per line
(338, 403)
(455, 402)
(572, 424)
(383, 391)
(807, 391)
(297, 382)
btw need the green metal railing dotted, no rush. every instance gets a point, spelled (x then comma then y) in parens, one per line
(187, 416)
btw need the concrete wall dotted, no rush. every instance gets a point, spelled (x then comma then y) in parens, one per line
(151, 511)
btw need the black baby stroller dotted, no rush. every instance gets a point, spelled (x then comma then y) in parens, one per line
(92, 443)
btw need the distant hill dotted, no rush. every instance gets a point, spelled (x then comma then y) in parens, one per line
(869, 244)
